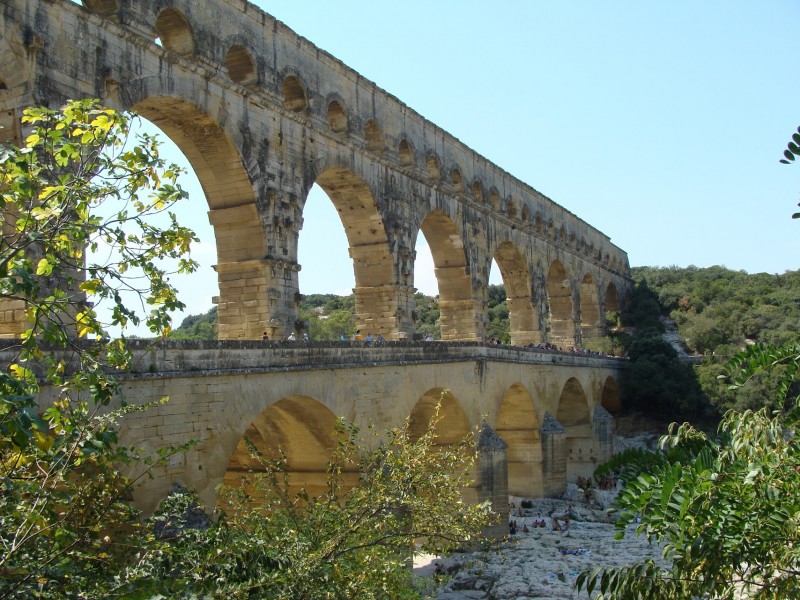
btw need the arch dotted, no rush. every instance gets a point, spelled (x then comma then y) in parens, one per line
(525, 214)
(304, 431)
(511, 208)
(376, 301)
(477, 191)
(434, 170)
(517, 282)
(559, 299)
(232, 203)
(454, 425)
(455, 179)
(612, 298)
(518, 425)
(373, 136)
(494, 199)
(573, 414)
(337, 117)
(537, 224)
(451, 430)
(208, 147)
(457, 309)
(241, 66)
(175, 32)
(406, 153)
(610, 399)
(591, 324)
(294, 94)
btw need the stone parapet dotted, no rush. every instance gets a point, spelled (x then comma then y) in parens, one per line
(194, 356)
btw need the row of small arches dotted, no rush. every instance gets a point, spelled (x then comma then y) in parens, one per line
(175, 33)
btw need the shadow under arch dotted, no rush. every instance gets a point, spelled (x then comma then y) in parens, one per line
(559, 299)
(453, 426)
(611, 399)
(451, 429)
(591, 324)
(612, 298)
(518, 424)
(233, 214)
(303, 429)
(376, 293)
(524, 324)
(457, 307)
(573, 414)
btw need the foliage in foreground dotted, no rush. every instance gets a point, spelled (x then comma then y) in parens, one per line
(343, 543)
(725, 509)
(76, 186)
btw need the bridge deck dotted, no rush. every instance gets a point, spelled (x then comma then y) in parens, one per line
(168, 357)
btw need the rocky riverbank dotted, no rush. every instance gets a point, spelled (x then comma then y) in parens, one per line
(543, 563)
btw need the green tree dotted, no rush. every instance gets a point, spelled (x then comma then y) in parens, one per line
(719, 312)
(197, 327)
(331, 326)
(427, 313)
(657, 382)
(725, 508)
(499, 325)
(65, 522)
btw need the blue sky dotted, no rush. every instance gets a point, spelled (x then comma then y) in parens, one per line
(659, 123)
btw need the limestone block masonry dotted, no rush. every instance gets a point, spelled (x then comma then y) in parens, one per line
(262, 114)
(535, 409)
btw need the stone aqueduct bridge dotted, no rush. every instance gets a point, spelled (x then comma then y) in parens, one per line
(262, 114)
(551, 408)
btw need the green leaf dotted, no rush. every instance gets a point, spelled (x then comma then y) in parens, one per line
(45, 267)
